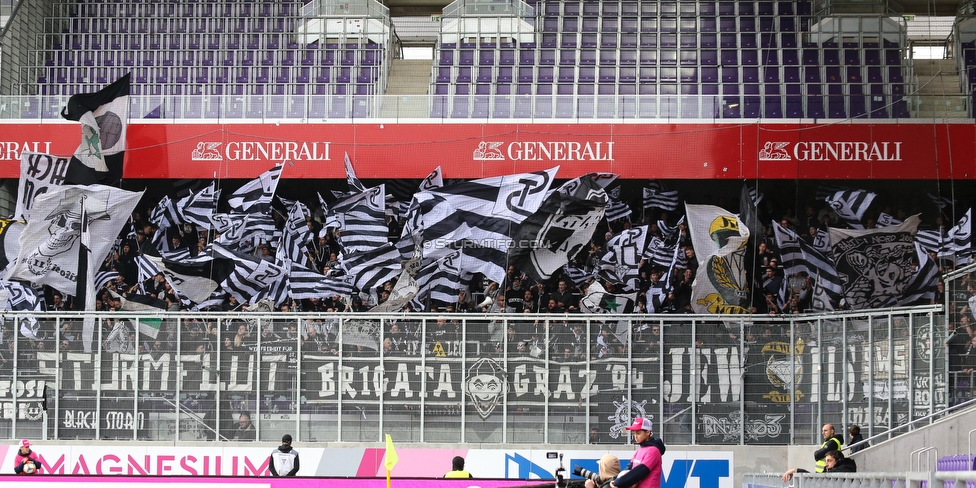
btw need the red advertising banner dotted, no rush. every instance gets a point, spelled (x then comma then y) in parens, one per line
(841, 150)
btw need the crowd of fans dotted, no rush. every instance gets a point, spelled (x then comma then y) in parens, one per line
(533, 335)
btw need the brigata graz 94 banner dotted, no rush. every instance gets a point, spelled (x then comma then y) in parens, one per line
(847, 150)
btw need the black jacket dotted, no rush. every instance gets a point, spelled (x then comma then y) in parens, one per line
(855, 440)
(828, 445)
(846, 465)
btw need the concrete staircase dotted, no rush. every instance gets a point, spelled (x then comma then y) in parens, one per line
(406, 89)
(939, 89)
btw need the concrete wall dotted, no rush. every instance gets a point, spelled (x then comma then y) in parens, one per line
(949, 436)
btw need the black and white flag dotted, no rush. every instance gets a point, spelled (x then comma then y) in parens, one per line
(441, 279)
(924, 283)
(560, 229)
(372, 268)
(960, 240)
(657, 197)
(104, 116)
(616, 210)
(49, 245)
(799, 256)
(15, 296)
(875, 265)
(485, 212)
(885, 219)
(620, 265)
(256, 195)
(196, 278)
(39, 172)
(433, 181)
(166, 214)
(940, 201)
(251, 275)
(850, 206)
(198, 208)
(362, 220)
(355, 186)
(296, 235)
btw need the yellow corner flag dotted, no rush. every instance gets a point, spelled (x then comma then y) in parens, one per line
(391, 458)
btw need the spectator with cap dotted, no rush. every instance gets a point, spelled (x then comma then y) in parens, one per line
(284, 459)
(26, 461)
(645, 466)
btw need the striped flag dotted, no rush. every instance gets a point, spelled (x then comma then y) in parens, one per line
(576, 275)
(15, 296)
(195, 278)
(372, 268)
(355, 185)
(959, 239)
(257, 193)
(362, 221)
(441, 279)
(198, 208)
(931, 240)
(616, 209)
(296, 235)
(850, 206)
(104, 116)
(251, 275)
(923, 286)
(102, 278)
(433, 181)
(485, 211)
(657, 197)
(798, 256)
(166, 214)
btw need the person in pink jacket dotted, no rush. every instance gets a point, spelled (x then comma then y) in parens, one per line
(26, 460)
(645, 466)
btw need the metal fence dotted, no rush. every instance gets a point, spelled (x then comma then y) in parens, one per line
(470, 378)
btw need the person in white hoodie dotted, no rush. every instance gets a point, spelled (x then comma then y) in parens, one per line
(284, 459)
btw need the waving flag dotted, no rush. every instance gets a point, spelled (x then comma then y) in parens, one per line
(50, 243)
(875, 265)
(362, 221)
(851, 205)
(656, 196)
(296, 235)
(257, 193)
(798, 256)
(15, 296)
(198, 208)
(720, 242)
(104, 116)
(485, 212)
(560, 229)
(623, 258)
(355, 185)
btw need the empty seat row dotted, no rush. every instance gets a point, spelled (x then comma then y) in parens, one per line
(673, 25)
(667, 106)
(143, 25)
(194, 41)
(218, 74)
(180, 9)
(672, 8)
(225, 57)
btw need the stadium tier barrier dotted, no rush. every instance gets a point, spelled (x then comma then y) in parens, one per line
(472, 378)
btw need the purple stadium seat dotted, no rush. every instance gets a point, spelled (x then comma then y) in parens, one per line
(587, 74)
(526, 74)
(506, 57)
(504, 74)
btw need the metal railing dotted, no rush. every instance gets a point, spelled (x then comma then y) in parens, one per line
(504, 108)
(471, 378)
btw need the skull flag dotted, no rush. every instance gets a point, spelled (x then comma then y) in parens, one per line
(50, 242)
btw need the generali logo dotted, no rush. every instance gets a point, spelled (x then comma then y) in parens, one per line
(262, 151)
(544, 151)
(831, 151)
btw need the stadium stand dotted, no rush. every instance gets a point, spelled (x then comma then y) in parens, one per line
(660, 59)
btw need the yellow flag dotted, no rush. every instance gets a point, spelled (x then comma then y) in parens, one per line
(391, 455)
